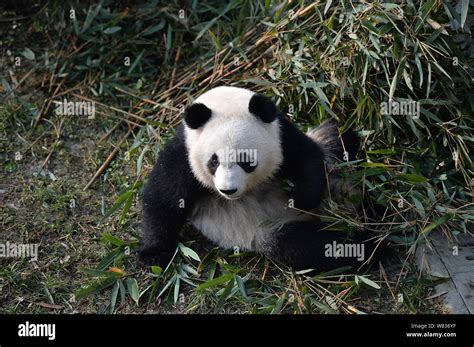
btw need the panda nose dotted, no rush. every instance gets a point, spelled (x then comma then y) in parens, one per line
(228, 191)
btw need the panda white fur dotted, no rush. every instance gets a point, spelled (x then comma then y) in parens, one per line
(227, 172)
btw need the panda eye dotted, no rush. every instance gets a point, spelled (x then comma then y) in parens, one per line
(212, 164)
(214, 160)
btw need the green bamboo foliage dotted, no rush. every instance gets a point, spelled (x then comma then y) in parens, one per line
(347, 60)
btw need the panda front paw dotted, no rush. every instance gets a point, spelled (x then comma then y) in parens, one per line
(155, 256)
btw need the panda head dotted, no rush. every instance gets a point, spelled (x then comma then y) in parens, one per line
(233, 140)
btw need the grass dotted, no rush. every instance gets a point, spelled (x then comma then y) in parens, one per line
(77, 187)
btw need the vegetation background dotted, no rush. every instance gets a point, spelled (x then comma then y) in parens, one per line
(73, 184)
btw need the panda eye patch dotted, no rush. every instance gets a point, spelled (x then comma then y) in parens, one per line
(246, 164)
(213, 163)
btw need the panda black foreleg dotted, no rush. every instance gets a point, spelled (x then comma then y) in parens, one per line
(303, 245)
(162, 219)
(303, 165)
(159, 241)
(168, 197)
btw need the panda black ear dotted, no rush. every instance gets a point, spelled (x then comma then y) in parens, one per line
(197, 115)
(263, 108)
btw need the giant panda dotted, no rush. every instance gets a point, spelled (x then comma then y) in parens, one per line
(243, 175)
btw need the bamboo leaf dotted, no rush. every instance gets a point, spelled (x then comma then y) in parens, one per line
(188, 252)
(95, 287)
(396, 78)
(132, 287)
(113, 297)
(464, 9)
(112, 30)
(215, 282)
(440, 221)
(369, 282)
(28, 53)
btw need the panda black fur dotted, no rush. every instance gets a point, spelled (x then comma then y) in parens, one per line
(237, 205)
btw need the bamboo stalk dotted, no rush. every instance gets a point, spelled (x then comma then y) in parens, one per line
(108, 160)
